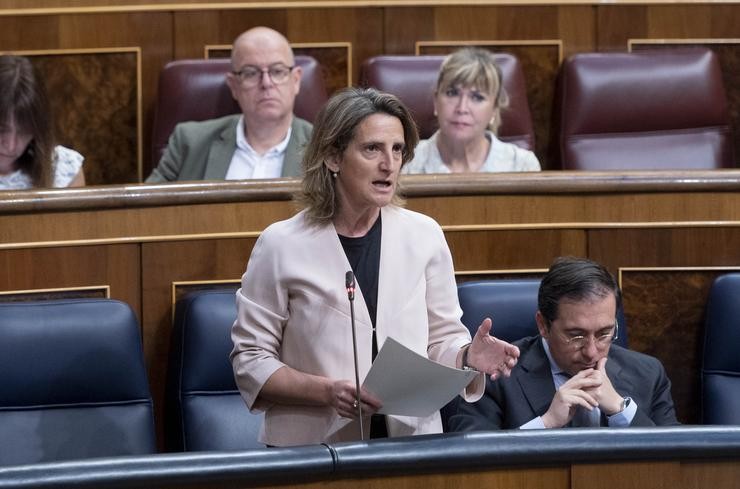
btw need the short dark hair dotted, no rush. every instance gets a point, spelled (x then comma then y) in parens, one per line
(574, 279)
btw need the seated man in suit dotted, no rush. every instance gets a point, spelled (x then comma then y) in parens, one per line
(571, 374)
(266, 140)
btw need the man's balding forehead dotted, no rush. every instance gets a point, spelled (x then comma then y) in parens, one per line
(260, 34)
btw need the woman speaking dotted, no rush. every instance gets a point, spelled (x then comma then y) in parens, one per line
(292, 337)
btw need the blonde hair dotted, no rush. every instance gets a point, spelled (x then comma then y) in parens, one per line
(475, 67)
(333, 131)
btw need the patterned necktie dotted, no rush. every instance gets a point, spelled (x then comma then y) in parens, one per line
(583, 418)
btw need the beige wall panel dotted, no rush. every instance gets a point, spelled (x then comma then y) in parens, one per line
(167, 262)
(117, 266)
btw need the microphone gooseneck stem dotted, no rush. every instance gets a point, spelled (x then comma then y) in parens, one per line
(357, 371)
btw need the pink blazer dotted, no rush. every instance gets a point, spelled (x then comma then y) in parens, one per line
(293, 310)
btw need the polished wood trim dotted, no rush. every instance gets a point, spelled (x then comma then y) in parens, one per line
(105, 288)
(634, 42)
(515, 271)
(139, 87)
(283, 189)
(445, 228)
(498, 42)
(176, 284)
(129, 240)
(125, 7)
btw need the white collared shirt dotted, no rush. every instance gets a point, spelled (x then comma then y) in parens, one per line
(247, 163)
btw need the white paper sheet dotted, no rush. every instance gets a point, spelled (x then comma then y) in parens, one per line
(410, 384)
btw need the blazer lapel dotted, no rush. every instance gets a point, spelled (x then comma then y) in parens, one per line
(390, 276)
(220, 153)
(622, 384)
(293, 152)
(535, 378)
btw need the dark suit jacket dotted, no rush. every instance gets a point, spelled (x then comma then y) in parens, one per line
(510, 402)
(203, 150)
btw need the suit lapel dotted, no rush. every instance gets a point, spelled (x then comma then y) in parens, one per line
(535, 378)
(292, 158)
(622, 384)
(220, 153)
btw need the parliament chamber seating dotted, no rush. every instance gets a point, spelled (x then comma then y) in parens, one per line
(720, 372)
(413, 79)
(73, 384)
(652, 110)
(196, 90)
(204, 410)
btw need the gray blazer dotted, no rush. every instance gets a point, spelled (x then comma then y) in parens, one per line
(203, 150)
(510, 402)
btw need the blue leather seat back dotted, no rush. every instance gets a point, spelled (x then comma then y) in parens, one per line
(73, 382)
(720, 371)
(204, 408)
(511, 304)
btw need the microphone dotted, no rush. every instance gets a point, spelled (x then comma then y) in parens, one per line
(349, 281)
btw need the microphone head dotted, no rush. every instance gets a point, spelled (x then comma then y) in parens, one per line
(349, 281)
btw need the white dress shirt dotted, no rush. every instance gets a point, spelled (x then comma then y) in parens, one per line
(247, 163)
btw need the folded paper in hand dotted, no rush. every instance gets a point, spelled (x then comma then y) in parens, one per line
(410, 384)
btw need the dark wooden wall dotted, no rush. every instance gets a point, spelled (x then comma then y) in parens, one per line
(102, 58)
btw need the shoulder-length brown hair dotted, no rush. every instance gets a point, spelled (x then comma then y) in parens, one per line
(23, 101)
(333, 131)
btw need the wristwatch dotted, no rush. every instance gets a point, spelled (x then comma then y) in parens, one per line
(465, 365)
(625, 402)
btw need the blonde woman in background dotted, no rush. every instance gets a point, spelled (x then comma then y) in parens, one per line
(467, 102)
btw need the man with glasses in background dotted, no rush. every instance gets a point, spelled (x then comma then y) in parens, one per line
(266, 140)
(571, 375)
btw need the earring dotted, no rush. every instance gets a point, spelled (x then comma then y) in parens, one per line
(435, 112)
(334, 174)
